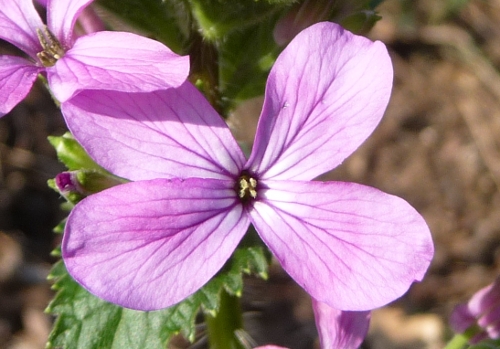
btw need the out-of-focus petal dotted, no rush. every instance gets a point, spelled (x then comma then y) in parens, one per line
(116, 61)
(494, 330)
(325, 95)
(340, 329)
(18, 24)
(163, 134)
(461, 318)
(350, 246)
(89, 22)
(270, 347)
(150, 244)
(16, 78)
(490, 318)
(61, 18)
(485, 298)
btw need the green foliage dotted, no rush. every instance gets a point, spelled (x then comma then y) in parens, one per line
(360, 22)
(245, 60)
(240, 32)
(374, 3)
(87, 322)
(488, 344)
(166, 21)
(217, 18)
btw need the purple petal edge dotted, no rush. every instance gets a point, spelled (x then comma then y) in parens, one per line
(147, 245)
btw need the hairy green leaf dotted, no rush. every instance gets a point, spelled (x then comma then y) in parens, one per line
(87, 322)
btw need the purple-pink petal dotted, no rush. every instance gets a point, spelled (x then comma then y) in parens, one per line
(61, 18)
(18, 23)
(340, 329)
(17, 76)
(461, 318)
(485, 305)
(485, 298)
(89, 21)
(325, 95)
(491, 320)
(350, 246)
(147, 245)
(164, 134)
(116, 61)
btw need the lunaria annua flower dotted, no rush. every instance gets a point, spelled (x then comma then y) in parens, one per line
(152, 242)
(101, 61)
(483, 309)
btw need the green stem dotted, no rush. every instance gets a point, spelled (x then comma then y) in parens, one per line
(461, 340)
(221, 328)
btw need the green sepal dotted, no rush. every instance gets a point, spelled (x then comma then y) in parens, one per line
(72, 154)
(166, 21)
(93, 181)
(87, 322)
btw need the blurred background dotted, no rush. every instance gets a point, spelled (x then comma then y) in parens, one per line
(438, 147)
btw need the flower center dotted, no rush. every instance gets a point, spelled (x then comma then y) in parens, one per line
(246, 187)
(52, 48)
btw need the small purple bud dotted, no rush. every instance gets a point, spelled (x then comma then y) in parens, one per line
(75, 185)
(67, 182)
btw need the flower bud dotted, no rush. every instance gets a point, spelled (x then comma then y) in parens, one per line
(75, 185)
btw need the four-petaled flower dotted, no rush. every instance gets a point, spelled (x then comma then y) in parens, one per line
(100, 61)
(150, 243)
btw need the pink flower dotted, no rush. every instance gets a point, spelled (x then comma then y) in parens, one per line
(99, 61)
(152, 242)
(337, 329)
(482, 309)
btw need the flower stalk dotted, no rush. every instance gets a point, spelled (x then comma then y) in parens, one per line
(221, 328)
(461, 340)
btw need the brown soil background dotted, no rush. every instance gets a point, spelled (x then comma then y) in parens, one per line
(438, 147)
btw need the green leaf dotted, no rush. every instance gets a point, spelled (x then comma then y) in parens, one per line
(87, 322)
(72, 154)
(167, 21)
